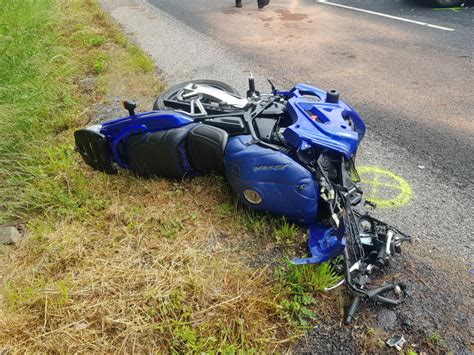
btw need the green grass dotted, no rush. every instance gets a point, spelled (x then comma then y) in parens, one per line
(40, 102)
(302, 283)
(286, 232)
(37, 104)
(96, 41)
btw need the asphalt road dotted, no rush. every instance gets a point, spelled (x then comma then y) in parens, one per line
(412, 83)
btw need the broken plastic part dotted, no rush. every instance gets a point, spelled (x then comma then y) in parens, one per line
(396, 342)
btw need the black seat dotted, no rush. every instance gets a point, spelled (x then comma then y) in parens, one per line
(206, 146)
(161, 153)
(176, 152)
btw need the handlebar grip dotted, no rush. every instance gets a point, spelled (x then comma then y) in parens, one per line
(385, 300)
(353, 309)
(374, 294)
(381, 289)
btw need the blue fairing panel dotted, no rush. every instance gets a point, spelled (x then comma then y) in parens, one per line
(324, 242)
(120, 129)
(322, 124)
(153, 121)
(284, 187)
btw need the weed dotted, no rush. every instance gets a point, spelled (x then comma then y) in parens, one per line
(40, 290)
(96, 41)
(436, 339)
(296, 311)
(225, 209)
(258, 223)
(375, 337)
(17, 296)
(100, 63)
(301, 282)
(170, 228)
(285, 232)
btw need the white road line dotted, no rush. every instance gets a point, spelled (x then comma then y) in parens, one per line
(387, 16)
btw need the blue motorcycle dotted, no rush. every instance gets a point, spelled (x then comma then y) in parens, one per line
(289, 153)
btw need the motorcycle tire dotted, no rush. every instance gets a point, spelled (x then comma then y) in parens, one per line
(168, 94)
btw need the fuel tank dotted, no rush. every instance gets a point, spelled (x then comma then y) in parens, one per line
(269, 180)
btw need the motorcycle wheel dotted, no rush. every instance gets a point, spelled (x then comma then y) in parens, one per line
(171, 93)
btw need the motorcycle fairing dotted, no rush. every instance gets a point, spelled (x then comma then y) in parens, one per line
(157, 143)
(274, 177)
(338, 126)
(324, 243)
(160, 153)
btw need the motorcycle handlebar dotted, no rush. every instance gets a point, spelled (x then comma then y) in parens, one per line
(375, 295)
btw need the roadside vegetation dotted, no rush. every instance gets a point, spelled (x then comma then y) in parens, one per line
(120, 263)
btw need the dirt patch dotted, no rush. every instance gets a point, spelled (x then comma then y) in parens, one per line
(328, 338)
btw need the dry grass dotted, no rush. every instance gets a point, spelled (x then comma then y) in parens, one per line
(125, 264)
(144, 274)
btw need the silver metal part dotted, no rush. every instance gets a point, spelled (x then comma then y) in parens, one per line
(397, 241)
(389, 242)
(213, 94)
(366, 240)
(196, 103)
(366, 225)
(95, 128)
(396, 342)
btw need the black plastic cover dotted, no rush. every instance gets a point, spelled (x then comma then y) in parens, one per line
(265, 128)
(93, 148)
(233, 125)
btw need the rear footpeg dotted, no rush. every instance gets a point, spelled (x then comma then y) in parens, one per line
(93, 148)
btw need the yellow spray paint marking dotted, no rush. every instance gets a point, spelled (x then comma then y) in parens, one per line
(384, 187)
